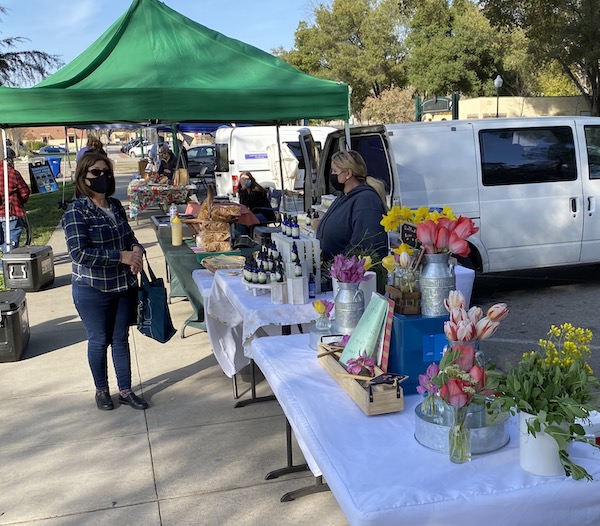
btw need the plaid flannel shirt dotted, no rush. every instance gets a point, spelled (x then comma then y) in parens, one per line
(18, 192)
(95, 242)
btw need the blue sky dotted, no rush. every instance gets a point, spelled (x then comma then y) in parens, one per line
(68, 27)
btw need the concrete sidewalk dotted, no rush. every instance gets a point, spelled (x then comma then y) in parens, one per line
(190, 459)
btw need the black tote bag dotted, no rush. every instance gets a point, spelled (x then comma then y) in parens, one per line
(153, 316)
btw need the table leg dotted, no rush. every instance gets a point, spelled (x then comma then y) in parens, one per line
(254, 399)
(290, 468)
(318, 487)
(235, 387)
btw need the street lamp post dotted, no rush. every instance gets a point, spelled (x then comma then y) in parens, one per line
(498, 81)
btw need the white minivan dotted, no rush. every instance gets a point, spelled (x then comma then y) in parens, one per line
(532, 185)
(254, 149)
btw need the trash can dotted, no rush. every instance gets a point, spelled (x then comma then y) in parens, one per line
(54, 163)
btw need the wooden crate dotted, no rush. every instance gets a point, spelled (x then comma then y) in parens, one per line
(372, 399)
(404, 302)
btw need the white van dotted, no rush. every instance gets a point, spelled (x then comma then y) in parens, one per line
(532, 185)
(254, 149)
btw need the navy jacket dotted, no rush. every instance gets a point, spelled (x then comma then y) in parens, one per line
(353, 220)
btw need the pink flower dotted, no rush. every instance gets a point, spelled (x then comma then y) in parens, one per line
(455, 299)
(450, 329)
(425, 383)
(348, 270)
(426, 233)
(465, 228)
(465, 331)
(453, 392)
(458, 246)
(475, 314)
(479, 377)
(356, 365)
(467, 355)
(485, 328)
(497, 312)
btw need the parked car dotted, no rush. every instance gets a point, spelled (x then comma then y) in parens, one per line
(200, 157)
(51, 150)
(136, 151)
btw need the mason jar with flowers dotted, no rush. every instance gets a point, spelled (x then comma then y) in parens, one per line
(440, 233)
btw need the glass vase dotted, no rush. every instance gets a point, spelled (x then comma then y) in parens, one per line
(323, 323)
(459, 440)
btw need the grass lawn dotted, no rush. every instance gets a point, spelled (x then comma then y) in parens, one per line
(44, 215)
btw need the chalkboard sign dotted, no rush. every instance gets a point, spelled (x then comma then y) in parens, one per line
(408, 235)
(42, 179)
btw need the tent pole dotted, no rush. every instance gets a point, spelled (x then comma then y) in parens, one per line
(68, 156)
(280, 159)
(6, 196)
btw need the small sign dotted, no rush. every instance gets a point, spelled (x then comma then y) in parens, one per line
(408, 235)
(254, 156)
(42, 179)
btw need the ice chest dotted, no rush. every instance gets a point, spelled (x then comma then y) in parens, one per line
(14, 325)
(28, 268)
(416, 342)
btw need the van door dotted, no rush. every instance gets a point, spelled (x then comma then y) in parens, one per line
(589, 141)
(531, 197)
(310, 162)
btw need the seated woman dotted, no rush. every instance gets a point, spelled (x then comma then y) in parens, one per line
(353, 219)
(255, 197)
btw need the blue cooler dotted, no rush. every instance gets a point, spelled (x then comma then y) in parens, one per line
(417, 341)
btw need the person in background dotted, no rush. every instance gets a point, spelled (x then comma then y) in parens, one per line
(93, 144)
(106, 257)
(255, 197)
(353, 219)
(154, 152)
(168, 163)
(18, 195)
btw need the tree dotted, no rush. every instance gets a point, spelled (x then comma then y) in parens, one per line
(564, 31)
(452, 48)
(393, 105)
(18, 68)
(358, 42)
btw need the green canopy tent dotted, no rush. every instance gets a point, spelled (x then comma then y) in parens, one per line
(155, 65)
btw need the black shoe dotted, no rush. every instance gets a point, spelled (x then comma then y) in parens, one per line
(134, 401)
(104, 401)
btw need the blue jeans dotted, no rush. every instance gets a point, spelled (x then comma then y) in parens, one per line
(16, 226)
(106, 317)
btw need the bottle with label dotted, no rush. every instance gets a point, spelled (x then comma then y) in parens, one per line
(298, 269)
(294, 254)
(176, 231)
(295, 228)
(172, 211)
(311, 287)
(308, 218)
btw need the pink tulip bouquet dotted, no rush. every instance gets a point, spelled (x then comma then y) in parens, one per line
(446, 235)
(466, 326)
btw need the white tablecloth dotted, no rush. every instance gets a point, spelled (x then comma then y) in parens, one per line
(380, 475)
(234, 316)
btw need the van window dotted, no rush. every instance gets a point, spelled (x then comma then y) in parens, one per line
(527, 155)
(373, 151)
(592, 142)
(222, 158)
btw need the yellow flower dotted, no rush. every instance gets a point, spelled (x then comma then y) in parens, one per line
(319, 306)
(404, 248)
(389, 263)
(366, 261)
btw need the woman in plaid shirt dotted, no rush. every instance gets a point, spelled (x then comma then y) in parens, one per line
(106, 258)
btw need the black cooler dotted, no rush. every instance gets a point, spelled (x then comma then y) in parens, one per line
(14, 325)
(28, 268)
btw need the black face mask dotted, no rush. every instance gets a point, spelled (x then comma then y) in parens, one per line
(333, 180)
(98, 185)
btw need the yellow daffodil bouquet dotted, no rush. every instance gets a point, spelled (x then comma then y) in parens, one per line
(556, 385)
